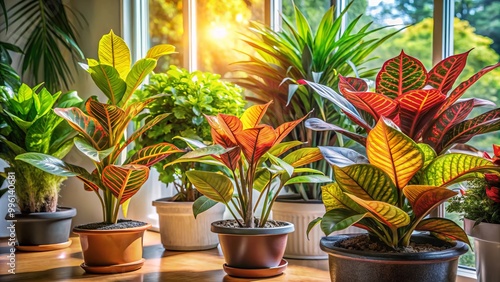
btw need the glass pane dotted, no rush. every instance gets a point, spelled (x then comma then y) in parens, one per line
(415, 39)
(219, 26)
(312, 10)
(166, 27)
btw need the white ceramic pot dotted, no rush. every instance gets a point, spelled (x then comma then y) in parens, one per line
(180, 231)
(486, 249)
(300, 213)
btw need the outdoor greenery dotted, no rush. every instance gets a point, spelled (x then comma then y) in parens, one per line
(189, 96)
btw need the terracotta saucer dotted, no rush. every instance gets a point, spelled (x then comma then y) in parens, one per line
(44, 248)
(256, 273)
(117, 268)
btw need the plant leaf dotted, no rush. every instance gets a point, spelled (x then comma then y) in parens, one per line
(423, 199)
(51, 164)
(317, 124)
(124, 181)
(255, 142)
(215, 186)
(253, 115)
(366, 182)
(303, 156)
(160, 50)
(336, 220)
(281, 148)
(390, 215)
(89, 151)
(394, 153)
(308, 179)
(444, 74)
(400, 75)
(202, 204)
(153, 154)
(443, 228)
(114, 52)
(109, 81)
(342, 157)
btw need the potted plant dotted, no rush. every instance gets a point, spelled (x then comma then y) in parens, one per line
(299, 52)
(250, 156)
(189, 96)
(112, 245)
(479, 202)
(391, 196)
(422, 103)
(29, 124)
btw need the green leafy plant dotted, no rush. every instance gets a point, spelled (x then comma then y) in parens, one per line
(29, 124)
(48, 32)
(101, 129)
(249, 155)
(298, 52)
(422, 103)
(479, 199)
(392, 194)
(189, 97)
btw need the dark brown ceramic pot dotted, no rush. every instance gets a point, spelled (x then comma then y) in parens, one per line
(253, 248)
(358, 266)
(112, 251)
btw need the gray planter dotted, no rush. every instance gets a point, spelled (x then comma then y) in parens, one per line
(43, 228)
(486, 249)
(358, 266)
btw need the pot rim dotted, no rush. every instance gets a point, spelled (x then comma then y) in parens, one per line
(60, 213)
(458, 248)
(483, 231)
(113, 231)
(287, 228)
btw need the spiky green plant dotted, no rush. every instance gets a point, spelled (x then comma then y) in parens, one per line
(298, 52)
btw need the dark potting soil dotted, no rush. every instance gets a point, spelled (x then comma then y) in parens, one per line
(121, 224)
(364, 243)
(234, 224)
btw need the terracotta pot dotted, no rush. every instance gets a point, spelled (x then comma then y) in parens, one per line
(180, 231)
(300, 213)
(108, 251)
(486, 249)
(43, 229)
(356, 266)
(255, 248)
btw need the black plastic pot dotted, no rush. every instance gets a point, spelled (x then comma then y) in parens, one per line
(357, 266)
(43, 228)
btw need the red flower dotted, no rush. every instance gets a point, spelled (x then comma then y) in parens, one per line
(493, 193)
(496, 155)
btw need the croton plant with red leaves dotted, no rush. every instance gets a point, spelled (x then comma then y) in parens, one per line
(252, 158)
(423, 104)
(480, 199)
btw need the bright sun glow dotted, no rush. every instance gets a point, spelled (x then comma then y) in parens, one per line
(218, 32)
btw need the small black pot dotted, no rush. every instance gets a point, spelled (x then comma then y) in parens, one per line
(357, 266)
(43, 228)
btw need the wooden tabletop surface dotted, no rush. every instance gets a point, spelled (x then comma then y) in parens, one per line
(160, 265)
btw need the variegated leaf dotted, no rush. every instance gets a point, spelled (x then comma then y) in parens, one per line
(284, 129)
(394, 153)
(253, 115)
(375, 104)
(281, 148)
(390, 215)
(352, 84)
(443, 228)
(334, 198)
(400, 75)
(215, 186)
(109, 116)
(160, 50)
(417, 107)
(124, 181)
(444, 74)
(303, 156)
(86, 125)
(452, 168)
(366, 182)
(423, 198)
(152, 154)
(88, 150)
(255, 142)
(317, 124)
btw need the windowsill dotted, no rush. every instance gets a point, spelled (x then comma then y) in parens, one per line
(466, 275)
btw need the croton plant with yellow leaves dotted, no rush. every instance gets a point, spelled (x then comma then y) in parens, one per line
(392, 191)
(101, 128)
(252, 158)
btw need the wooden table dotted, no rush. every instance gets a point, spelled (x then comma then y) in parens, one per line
(160, 265)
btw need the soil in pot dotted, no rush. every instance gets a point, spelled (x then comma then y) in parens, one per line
(112, 248)
(260, 249)
(405, 264)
